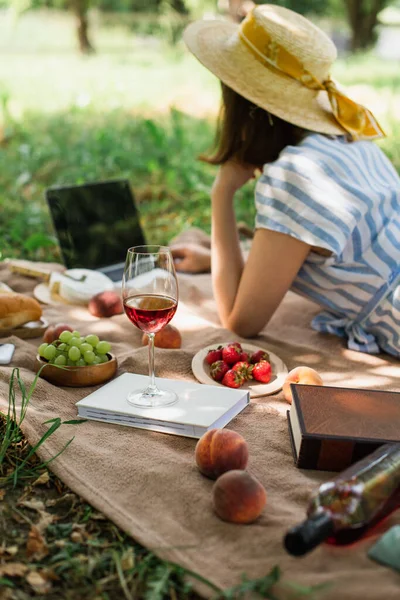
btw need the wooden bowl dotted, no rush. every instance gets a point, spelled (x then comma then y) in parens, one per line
(77, 376)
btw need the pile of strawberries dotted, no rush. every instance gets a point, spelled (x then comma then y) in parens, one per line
(232, 367)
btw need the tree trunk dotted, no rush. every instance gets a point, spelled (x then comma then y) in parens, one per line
(80, 10)
(180, 7)
(363, 18)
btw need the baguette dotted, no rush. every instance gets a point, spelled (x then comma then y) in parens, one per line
(17, 309)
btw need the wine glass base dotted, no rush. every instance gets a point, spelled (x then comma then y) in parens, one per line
(152, 399)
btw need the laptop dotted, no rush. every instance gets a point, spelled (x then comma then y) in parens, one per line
(95, 224)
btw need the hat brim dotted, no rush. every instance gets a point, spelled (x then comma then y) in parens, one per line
(215, 44)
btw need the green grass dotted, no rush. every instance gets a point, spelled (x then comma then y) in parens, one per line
(71, 119)
(41, 70)
(370, 71)
(171, 187)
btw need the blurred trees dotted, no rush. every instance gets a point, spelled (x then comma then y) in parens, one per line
(363, 19)
(80, 9)
(361, 15)
(180, 7)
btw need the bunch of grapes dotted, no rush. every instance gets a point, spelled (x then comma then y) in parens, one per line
(73, 350)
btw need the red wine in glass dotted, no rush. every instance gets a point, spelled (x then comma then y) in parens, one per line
(150, 312)
(150, 297)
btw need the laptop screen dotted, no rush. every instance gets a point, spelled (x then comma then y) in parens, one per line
(95, 223)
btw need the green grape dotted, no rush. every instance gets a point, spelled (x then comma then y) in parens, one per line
(71, 363)
(75, 341)
(65, 336)
(42, 348)
(76, 333)
(85, 348)
(103, 347)
(103, 358)
(74, 353)
(62, 347)
(60, 360)
(89, 357)
(49, 353)
(92, 339)
(81, 363)
(97, 360)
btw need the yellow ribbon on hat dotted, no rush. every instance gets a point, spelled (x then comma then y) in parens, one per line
(357, 120)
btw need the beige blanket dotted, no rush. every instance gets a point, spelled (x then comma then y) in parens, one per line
(148, 484)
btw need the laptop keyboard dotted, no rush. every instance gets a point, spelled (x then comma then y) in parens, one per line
(116, 274)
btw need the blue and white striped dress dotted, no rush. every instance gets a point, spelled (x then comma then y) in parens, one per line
(344, 197)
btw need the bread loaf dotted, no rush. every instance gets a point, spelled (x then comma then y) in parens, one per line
(17, 309)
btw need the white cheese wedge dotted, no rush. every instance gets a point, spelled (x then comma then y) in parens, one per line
(78, 286)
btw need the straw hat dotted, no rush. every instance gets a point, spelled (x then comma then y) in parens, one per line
(233, 55)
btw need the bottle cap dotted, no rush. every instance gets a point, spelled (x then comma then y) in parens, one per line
(307, 535)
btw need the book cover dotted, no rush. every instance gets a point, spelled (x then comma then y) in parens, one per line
(199, 408)
(332, 427)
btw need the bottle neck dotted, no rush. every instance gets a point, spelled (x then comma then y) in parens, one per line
(307, 535)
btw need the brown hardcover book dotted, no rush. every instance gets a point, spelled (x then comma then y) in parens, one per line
(332, 427)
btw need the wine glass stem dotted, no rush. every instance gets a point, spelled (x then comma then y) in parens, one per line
(152, 385)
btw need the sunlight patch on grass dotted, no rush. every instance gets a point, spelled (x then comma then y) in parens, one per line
(42, 71)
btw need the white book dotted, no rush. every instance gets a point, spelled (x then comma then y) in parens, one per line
(199, 407)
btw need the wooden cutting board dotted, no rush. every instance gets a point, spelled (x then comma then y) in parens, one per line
(33, 329)
(40, 271)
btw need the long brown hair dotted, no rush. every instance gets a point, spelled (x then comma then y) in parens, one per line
(248, 133)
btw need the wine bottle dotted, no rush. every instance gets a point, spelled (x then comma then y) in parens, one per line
(344, 508)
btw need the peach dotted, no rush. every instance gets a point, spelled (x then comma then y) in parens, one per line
(304, 375)
(168, 337)
(53, 332)
(238, 497)
(106, 304)
(221, 450)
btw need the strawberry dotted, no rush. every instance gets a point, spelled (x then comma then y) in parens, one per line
(237, 344)
(258, 356)
(232, 379)
(262, 371)
(244, 357)
(231, 354)
(244, 368)
(214, 355)
(218, 369)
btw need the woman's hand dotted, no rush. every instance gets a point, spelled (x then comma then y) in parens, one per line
(231, 176)
(191, 258)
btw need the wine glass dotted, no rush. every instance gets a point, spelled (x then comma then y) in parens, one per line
(150, 297)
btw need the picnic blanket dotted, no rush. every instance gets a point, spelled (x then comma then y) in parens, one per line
(148, 483)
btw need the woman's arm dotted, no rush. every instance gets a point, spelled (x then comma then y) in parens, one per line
(226, 255)
(248, 295)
